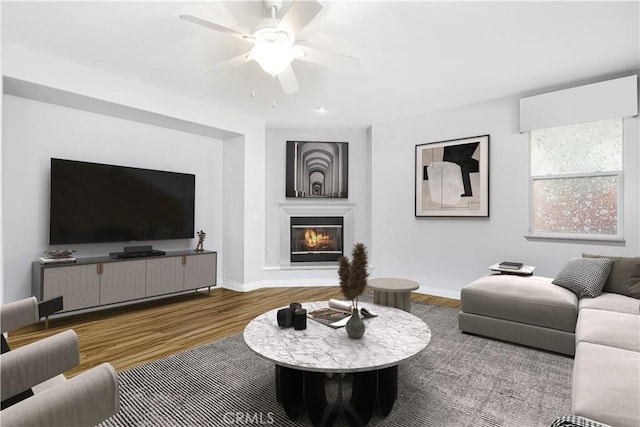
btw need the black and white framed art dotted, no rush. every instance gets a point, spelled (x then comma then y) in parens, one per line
(317, 169)
(452, 178)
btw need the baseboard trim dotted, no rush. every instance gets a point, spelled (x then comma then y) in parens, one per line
(293, 283)
(285, 283)
(438, 292)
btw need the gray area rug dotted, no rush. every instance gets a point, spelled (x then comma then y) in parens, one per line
(458, 380)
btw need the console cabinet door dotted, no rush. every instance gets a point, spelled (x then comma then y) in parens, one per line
(122, 281)
(164, 275)
(199, 271)
(79, 285)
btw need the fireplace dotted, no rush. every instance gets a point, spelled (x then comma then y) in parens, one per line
(316, 239)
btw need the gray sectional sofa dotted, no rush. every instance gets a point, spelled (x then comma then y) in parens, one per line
(606, 371)
(602, 331)
(525, 310)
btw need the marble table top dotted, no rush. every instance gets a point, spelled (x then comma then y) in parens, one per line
(391, 337)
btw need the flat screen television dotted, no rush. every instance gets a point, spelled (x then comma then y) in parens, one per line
(96, 203)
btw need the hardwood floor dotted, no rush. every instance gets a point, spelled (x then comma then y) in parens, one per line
(135, 334)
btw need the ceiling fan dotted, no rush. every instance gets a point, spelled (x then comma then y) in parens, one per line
(273, 40)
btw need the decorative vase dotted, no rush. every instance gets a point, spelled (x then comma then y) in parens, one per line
(355, 325)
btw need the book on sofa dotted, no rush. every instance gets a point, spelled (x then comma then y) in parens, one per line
(511, 265)
(524, 270)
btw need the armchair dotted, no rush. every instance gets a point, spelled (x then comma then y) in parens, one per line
(34, 390)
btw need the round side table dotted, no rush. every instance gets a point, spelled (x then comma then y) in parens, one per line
(393, 292)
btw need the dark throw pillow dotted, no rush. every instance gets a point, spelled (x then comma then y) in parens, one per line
(575, 421)
(584, 276)
(624, 278)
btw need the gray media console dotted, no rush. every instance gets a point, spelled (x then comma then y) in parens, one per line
(94, 282)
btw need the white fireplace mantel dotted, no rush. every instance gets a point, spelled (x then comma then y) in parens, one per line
(293, 209)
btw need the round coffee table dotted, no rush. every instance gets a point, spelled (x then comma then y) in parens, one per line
(304, 357)
(392, 291)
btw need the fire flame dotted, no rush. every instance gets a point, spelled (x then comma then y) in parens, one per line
(314, 239)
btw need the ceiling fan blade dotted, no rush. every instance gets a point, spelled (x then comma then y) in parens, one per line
(231, 62)
(239, 32)
(299, 14)
(333, 60)
(288, 80)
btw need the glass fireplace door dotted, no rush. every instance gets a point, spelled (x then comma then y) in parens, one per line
(316, 239)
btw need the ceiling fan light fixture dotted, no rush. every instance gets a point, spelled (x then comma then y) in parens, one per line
(273, 38)
(273, 50)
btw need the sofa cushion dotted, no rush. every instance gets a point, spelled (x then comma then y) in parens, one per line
(611, 302)
(624, 278)
(606, 385)
(584, 276)
(531, 300)
(621, 330)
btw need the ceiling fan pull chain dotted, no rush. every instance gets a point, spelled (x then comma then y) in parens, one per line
(272, 6)
(273, 103)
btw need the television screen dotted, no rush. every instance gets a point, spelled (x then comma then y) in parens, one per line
(95, 203)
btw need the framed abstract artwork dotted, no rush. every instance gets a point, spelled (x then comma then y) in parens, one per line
(317, 169)
(452, 178)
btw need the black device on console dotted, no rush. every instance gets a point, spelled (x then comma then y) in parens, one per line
(137, 252)
(294, 315)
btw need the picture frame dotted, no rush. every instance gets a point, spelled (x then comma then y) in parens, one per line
(452, 178)
(317, 169)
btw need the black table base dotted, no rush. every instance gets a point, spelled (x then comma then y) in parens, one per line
(299, 391)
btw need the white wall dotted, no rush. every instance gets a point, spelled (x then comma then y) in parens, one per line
(233, 211)
(275, 194)
(444, 254)
(33, 132)
(133, 99)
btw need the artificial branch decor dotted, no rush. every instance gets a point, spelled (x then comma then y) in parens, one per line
(353, 273)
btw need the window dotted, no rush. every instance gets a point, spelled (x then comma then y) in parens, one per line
(576, 181)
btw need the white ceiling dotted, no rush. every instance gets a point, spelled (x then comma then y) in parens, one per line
(416, 57)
